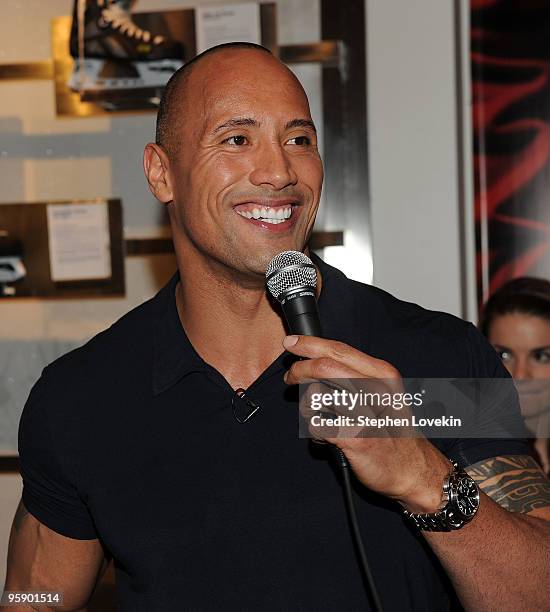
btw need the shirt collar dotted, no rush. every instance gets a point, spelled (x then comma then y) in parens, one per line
(174, 356)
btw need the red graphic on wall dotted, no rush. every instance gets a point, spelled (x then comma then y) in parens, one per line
(510, 55)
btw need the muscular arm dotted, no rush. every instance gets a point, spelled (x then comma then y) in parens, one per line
(501, 560)
(40, 559)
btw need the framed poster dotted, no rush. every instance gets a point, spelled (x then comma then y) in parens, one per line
(59, 249)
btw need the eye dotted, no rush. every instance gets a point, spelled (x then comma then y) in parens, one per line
(301, 141)
(542, 356)
(236, 141)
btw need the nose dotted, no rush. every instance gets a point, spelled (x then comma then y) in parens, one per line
(521, 370)
(273, 167)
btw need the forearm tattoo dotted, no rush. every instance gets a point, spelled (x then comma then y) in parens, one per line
(515, 482)
(20, 514)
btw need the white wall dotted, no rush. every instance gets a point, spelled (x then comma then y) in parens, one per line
(413, 151)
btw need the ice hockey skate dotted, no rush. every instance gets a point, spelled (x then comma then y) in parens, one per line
(112, 53)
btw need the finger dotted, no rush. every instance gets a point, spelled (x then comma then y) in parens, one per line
(344, 392)
(318, 369)
(313, 347)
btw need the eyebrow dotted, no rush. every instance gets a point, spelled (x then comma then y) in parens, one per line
(305, 123)
(237, 122)
(248, 121)
(536, 348)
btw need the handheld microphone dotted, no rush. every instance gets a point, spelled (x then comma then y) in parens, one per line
(292, 280)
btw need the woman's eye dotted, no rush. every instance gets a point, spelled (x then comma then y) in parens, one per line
(542, 356)
(236, 141)
(300, 141)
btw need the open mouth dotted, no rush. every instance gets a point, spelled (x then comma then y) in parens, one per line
(282, 214)
(269, 215)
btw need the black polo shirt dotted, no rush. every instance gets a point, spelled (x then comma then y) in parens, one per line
(132, 439)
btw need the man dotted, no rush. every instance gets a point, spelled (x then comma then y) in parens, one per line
(129, 446)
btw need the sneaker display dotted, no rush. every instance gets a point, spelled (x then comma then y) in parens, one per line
(112, 52)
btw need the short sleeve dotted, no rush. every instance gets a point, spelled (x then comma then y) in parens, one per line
(49, 492)
(483, 362)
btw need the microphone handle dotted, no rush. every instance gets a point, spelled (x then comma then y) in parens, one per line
(302, 314)
(302, 317)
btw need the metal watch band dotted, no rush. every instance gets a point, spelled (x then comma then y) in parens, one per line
(450, 517)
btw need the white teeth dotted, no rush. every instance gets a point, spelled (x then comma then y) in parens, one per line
(271, 215)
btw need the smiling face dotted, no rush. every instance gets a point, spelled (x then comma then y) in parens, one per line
(245, 171)
(523, 343)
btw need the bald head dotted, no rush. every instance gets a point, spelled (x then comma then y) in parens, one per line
(181, 94)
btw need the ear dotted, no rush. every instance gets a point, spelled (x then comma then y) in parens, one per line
(156, 166)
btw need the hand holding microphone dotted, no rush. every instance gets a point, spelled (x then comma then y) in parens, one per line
(408, 469)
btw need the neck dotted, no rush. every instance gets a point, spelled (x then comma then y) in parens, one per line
(231, 323)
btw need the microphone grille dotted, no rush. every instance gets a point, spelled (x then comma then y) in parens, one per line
(289, 270)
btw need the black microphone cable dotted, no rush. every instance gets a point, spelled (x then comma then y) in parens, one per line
(345, 471)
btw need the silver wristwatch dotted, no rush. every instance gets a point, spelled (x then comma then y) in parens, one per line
(460, 502)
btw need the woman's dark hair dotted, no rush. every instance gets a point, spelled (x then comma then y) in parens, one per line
(525, 295)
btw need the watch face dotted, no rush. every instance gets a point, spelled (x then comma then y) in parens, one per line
(466, 496)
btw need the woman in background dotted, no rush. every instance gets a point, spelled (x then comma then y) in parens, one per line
(516, 320)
